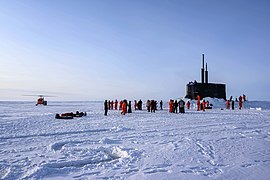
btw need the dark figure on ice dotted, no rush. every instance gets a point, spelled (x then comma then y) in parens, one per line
(139, 105)
(182, 106)
(106, 107)
(232, 104)
(155, 105)
(175, 106)
(115, 104)
(109, 104)
(148, 105)
(244, 98)
(161, 105)
(152, 105)
(129, 107)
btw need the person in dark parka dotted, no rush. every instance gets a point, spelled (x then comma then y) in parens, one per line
(232, 104)
(161, 104)
(129, 107)
(175, 106)
(140, 105)
(182, 106)
(106, 107)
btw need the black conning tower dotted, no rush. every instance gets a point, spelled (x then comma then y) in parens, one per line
(202, 70)
(205, 89)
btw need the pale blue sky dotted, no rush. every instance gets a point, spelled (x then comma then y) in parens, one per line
(107, 49)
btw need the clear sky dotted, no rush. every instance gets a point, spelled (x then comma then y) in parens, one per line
(108, 49)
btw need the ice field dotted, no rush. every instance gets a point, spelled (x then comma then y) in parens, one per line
(216, 144)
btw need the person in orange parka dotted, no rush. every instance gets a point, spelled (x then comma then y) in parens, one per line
(120, 105)
(203, 105)
(135, 105)
(198, 103)
(116, 104)
(124, 107)
(188, 105)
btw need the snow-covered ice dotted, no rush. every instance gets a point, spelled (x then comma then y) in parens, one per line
(218, 144)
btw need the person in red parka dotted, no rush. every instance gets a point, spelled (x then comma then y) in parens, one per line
(135, 105)
(120, 105)
(228, 104)
(240, 102)
(188, 105)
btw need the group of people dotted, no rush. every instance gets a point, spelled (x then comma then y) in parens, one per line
(202, 105)
(173, 106)
(125, 106)
(240, 101)
(151, 105)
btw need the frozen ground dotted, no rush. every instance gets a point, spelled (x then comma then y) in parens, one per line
(218, 144)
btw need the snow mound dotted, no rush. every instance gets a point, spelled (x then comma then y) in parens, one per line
(119, 153)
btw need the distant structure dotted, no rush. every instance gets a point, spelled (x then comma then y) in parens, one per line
(205, 89)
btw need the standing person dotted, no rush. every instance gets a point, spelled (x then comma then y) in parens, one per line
(129, 107)
(182, 106)
(171, 106)
(227, 104)
(244, 98)
(112, 105)
(105, 108)
(148, 105)
(198, 102)
(207, 104)
(124, 107)
(175, 106)
(232, 104)
(116, 104)
(152, 106)
(161, 104)
(135, 105)
(188, 105)
(240, 102)
(203, 105)
(109, 104)
(140, 104)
